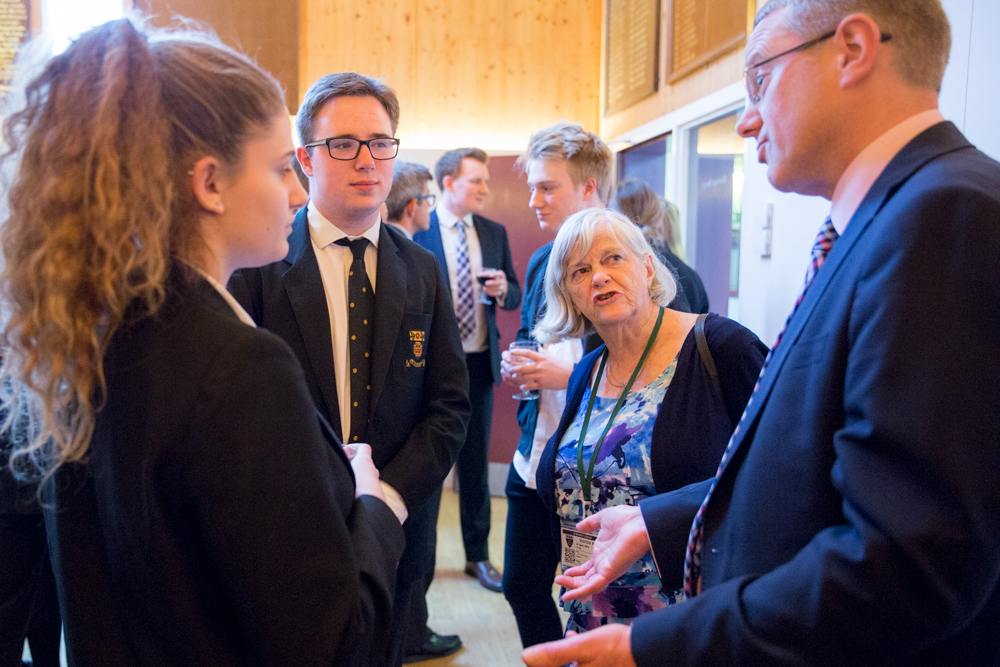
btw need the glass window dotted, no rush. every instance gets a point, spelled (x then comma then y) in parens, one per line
(714, 203)
(62, 20)
(649, 162)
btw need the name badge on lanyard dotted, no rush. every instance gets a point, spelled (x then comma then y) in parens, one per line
(577, 547)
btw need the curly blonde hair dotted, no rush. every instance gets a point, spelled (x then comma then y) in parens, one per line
(99, 205)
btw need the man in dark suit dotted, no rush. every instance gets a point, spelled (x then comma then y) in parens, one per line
(854, 518)
(470, 247)
(367, 311)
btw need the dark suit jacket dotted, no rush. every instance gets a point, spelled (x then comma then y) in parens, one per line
(419, 412)
(214, 522)
(693, 423)
(496, 255)
(858, 520)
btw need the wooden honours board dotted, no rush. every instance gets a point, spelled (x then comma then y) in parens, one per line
(633, 47)
(700, 30)
(14, 29)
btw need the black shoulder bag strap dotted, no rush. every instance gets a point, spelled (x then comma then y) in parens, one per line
(706, 354)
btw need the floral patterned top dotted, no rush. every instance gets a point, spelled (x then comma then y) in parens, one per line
(622, 475)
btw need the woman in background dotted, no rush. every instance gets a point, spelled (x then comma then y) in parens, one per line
(198, 513)
(655, 217)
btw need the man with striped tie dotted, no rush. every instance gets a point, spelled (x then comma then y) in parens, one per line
(474, 256)
(854, 516)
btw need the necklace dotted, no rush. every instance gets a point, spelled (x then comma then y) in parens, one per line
(611, 381)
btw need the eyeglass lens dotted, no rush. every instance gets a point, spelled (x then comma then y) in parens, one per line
(347, 149)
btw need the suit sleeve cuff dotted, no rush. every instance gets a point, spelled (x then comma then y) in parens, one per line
(395, 502)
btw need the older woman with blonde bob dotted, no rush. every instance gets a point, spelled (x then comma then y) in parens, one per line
(648, 412)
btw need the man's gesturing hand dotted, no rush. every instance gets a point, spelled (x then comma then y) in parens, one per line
(621, 541)
(607, 646)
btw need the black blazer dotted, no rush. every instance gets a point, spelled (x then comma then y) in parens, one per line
(214, 522)
(858, 520)
(496, 255)
(419, 412)
(693, 423)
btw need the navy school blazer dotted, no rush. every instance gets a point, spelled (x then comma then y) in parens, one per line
(214, 521)
(419, 412)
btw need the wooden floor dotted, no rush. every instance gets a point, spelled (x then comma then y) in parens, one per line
(459, 605)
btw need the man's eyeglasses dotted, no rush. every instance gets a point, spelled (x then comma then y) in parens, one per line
(430, 199)
(753, 80)
(346, 148)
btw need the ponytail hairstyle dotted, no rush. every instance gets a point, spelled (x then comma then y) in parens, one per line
(100, 202)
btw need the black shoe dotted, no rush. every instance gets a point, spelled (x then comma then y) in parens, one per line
(436, 646)
(487, 575)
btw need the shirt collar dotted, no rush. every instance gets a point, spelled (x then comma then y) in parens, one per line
(233, 303)
(448, 219)
(325, 232)
(862, 173)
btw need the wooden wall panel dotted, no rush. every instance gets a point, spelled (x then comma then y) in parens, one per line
(267, 30)
(706, 79)
(484, 73)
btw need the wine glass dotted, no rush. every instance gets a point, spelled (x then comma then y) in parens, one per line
(482, 276)
(515, 347)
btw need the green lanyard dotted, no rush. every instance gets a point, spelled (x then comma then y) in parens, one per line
(586, 478)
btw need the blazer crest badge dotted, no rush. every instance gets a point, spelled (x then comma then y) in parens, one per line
(417, 338)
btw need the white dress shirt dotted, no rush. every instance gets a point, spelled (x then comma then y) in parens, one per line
(233, 303)
(478, 341)
(334, 265)
(864, 170)
(551, 403)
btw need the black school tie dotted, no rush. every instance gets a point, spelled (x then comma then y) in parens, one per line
(360, 313)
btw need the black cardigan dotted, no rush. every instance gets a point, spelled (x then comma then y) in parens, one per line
(694, 422)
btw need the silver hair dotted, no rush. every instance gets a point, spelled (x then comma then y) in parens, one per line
(576, 235)
(921, 34)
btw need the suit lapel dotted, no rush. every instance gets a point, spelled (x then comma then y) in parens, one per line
(304, 287)
(936, 141)
(390, 304)
(488, 249)
(436, 246)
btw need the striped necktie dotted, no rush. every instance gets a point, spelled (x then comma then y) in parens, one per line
(465, 306)
(692, 559)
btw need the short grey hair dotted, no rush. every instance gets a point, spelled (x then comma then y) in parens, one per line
(921, 34)
(342, 84)
(576, 235)
(408, 179)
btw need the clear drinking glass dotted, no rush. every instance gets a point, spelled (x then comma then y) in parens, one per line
(518, 346)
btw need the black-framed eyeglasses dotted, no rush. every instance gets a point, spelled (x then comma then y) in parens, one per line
(347, 148)
(430, 199)
(753, 80)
